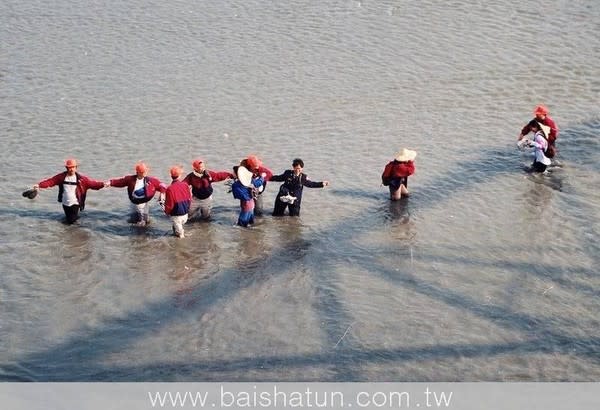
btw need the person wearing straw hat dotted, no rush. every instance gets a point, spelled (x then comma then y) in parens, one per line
(540, 145)
(542, 117)
(72, 189)
(141, 188)
(200, 181)
(395, 174)
(177, 201)
(245, 189)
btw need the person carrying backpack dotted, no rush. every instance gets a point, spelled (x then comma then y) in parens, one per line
(542, 117)
(245, 188)
(540, 144)
(395, 174)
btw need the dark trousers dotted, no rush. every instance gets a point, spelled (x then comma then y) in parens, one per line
(72, 213)
(279, 208)
(538, 167)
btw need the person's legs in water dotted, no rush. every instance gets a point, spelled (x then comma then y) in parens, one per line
(205, 208)
(398, 188)
(178, 222)
(246, 213)
(71, 213)
(294, 208)
(279, 207)
(538, 167)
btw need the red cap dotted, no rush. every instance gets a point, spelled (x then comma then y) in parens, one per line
(196, 163)
(176, 171)
(140, 167)
(253, 162)
(71, 163)
(540, 110)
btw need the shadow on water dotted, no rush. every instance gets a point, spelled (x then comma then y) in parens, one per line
(217, 370)
(78, 359)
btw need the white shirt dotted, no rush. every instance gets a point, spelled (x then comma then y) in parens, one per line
(541, 144)
(69, 198)
(138, 190)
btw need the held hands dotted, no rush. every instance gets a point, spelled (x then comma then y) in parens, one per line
(161, 200)
(106, 184)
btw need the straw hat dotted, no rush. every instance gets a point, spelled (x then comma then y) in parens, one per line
(244, 176)
(405, 155)
(545, 129)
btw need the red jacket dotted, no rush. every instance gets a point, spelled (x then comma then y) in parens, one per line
(266, 171)
(395, 169)
(201, 185)
(178, 199)
(548, 122)
(83, 184)
(151, 185)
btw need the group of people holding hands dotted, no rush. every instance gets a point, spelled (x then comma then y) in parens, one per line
(190, 196)
(186, 197)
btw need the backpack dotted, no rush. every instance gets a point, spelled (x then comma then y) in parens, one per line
(550, 151)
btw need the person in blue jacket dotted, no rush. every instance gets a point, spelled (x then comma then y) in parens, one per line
(290, 192)
(245, 188)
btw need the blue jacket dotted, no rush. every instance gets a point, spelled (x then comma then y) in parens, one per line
(243, 193)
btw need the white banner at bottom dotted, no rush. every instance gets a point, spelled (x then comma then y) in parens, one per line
(281, 396)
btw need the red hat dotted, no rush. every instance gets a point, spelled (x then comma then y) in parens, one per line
(540, 110)
(253, 162)
(71, 163)
(196, 163)
(176, 171)
(140, 167)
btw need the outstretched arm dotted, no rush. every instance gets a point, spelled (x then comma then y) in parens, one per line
(218, 176)
(524, 131)
(313, 184)
(50, 182)
(92, 183)
(118, 182)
